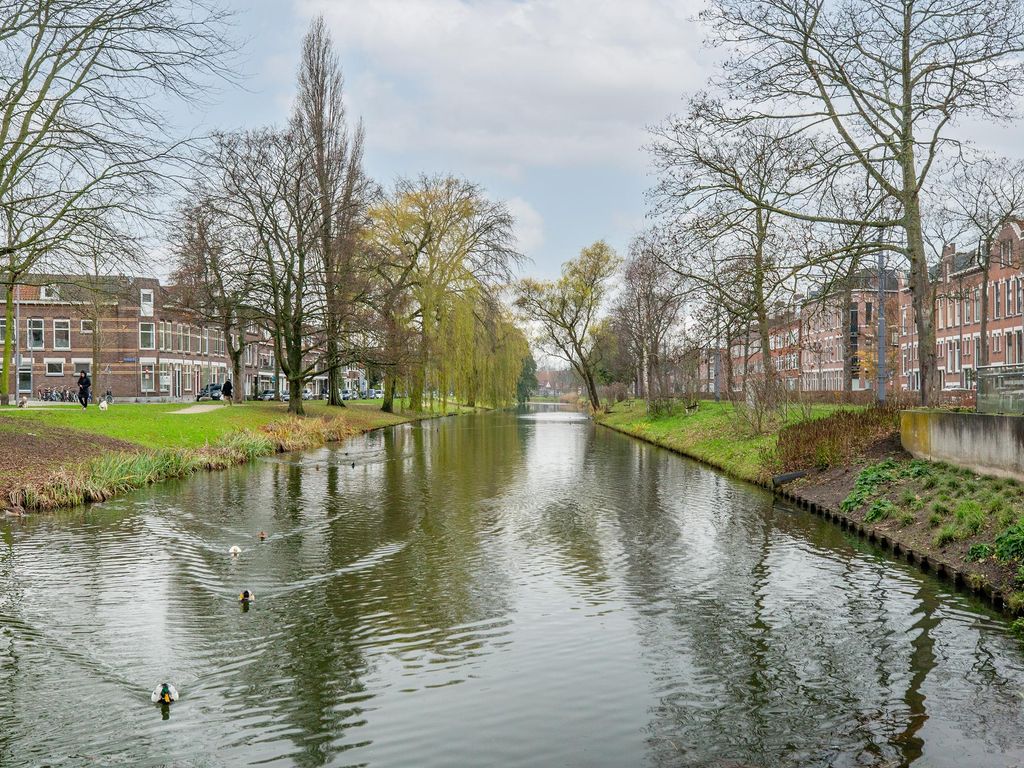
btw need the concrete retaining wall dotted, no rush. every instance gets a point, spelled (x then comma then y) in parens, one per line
(985, 442)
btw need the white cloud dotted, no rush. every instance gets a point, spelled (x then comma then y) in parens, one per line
(531, 83)
(529, 225)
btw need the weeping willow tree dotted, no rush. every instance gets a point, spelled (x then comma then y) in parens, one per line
(486, 349)
(441, 246)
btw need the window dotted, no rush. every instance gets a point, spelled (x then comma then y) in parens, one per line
(48, 293)
(977, 304)
(206, 341)
(3, 329)
(940, 303)
(996, 304)
(62, 334)
(146, 336)
(35, 333)
(179, 344)
(86, 326)
(147, 382)
(54, 366)
(165, 377)
(187, 378)
(1009, 295)
(146, 303)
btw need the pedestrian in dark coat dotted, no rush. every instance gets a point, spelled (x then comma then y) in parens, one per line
(84, 382)
(226, 391)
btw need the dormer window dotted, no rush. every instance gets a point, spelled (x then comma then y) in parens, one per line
(146, 302)
(49, 293)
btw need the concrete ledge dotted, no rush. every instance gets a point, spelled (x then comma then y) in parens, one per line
(987, 443)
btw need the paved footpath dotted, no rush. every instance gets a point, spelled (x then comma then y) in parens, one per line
(201, 408)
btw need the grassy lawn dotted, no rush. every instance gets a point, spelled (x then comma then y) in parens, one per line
(156, 425)
(714, 433)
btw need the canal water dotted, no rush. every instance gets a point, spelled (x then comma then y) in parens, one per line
(510, 589)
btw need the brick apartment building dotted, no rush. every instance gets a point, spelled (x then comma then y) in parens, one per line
(958, 289)
(807, 339)
(149, 347)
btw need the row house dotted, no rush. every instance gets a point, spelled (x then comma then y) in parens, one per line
(807, 340)
(958, 287)
(149, 347)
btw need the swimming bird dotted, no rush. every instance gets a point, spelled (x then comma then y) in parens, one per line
(165, 693)
(263, 535)
(353, 465)
(235, 551)
(247, 596)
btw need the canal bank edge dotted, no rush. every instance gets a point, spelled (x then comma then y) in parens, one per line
(927, 561)
(121, 467)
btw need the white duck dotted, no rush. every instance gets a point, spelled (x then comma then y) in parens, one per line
(165, 693)
(235, 551)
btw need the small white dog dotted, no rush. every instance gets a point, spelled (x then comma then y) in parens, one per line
(103, 405)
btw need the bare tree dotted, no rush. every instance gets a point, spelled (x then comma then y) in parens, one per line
(984, 193)
(80, 132)
(648, 308)
(340, 186)
(214, 275)
(877, 84)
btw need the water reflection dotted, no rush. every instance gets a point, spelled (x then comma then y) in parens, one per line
(508, 589)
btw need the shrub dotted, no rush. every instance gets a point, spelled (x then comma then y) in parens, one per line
(835, 439)
(930, 482)
(978, 552)
(1010, 543)
(880, 510)
(935, 519)
(946, 534)
(906, 518)
(1015, 602)
(908, 497)
(1005, 519)
(970, 516)
(940, 508)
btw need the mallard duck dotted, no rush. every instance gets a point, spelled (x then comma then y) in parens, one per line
(263, 535)
(235, 551)
(165, 693)
(246, 596)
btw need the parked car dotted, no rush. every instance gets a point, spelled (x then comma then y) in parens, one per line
(346, 394)
(286, 396)
(210, 391)
(266, 394)
(307, 394)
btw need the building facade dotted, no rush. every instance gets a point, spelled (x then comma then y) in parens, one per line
(146, 346)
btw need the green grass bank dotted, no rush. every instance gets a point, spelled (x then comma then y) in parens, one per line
(715, 433)
(65, 456)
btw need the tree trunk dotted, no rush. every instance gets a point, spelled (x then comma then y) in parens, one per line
(9, 331)
(920, 293)
(238, 390)
(295, 405)
(388, 405)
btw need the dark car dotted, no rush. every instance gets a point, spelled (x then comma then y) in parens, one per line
(210, 391)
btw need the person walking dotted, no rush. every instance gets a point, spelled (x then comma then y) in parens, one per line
(226, 391)
(84, 382)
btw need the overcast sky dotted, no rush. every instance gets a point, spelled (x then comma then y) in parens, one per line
(544, 102)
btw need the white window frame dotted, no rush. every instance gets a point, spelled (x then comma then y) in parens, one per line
(42, 332)
(48, 361)
(152, 331)
(146, 302)
(48, 293)
(67, 327)
(86, 326)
